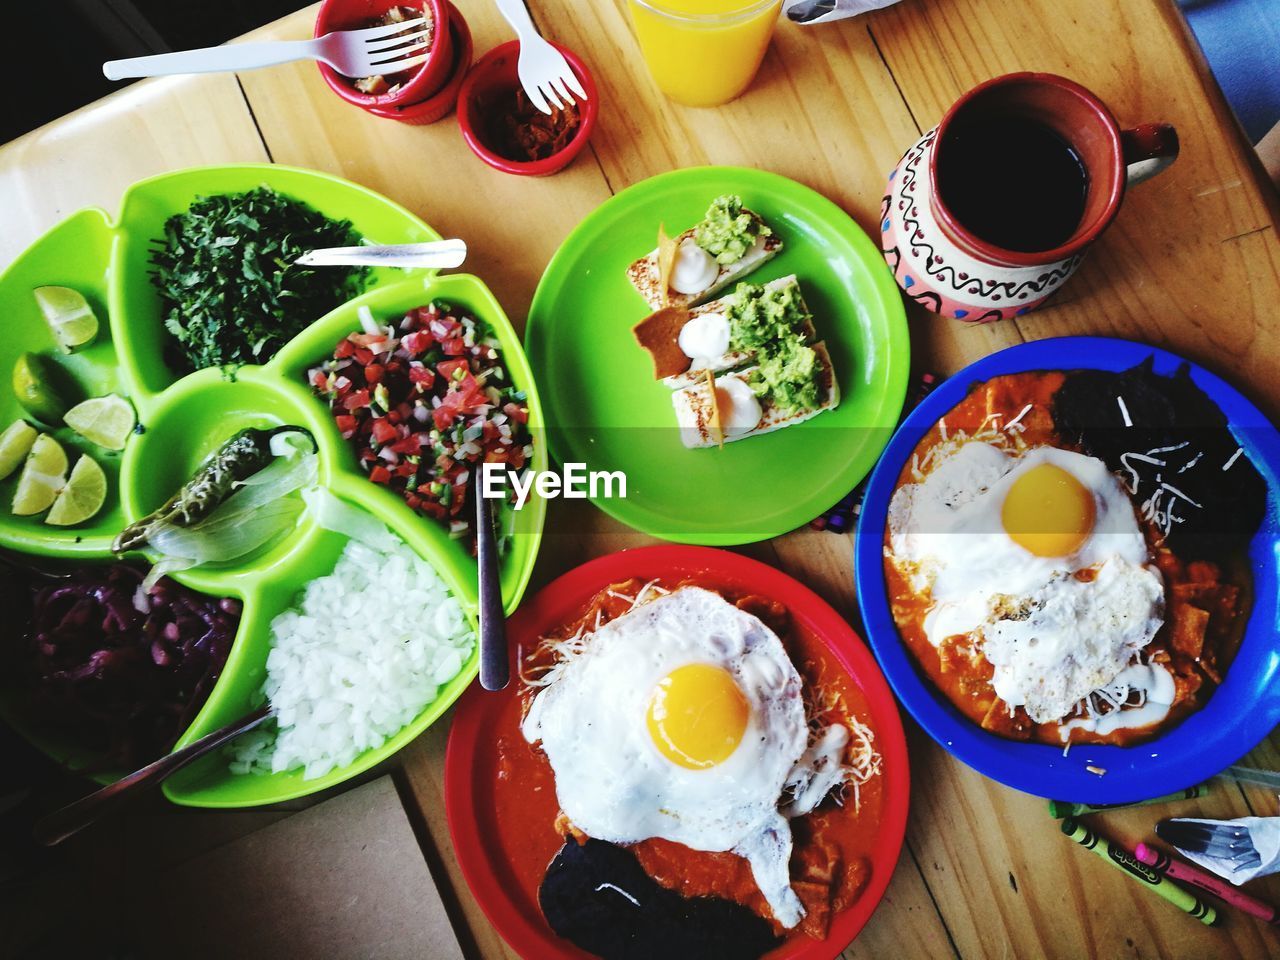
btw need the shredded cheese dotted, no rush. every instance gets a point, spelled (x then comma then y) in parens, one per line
(566, 649)
(1007, 438)
(1016, 422)
(862, 762)
(1162, 505)
(618, 890)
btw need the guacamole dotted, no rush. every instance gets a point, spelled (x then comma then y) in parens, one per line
(789, 376)
(759, 316)
(728, 232)
(770, 322)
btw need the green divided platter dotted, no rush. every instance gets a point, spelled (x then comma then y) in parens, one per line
(609, 413)
(185, 418)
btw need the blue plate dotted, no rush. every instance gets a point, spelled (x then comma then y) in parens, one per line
(1238, 715)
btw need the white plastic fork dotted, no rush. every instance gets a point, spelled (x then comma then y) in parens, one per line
(370, 52)
(544, 73)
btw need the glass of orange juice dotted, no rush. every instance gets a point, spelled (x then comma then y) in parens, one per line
(703, 53)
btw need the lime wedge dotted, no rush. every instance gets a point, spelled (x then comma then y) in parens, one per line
(82, 497)
(42, 387)
(106, 421)
(15, 443)
(69, 316)
(43, 477)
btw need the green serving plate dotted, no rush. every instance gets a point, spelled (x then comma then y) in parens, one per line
(609, 413)
(185, 418)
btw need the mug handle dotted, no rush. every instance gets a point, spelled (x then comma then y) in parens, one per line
(1148, 149)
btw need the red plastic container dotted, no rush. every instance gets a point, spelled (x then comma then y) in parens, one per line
(437, 106)
(355, 14)
(496, 71)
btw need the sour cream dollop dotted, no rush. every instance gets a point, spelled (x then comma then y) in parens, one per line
(705, 337)
(694, 269)
(739, 409)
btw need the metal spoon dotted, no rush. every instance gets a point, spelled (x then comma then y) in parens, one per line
(495, 668)
(811, 10)
(74, 817)
(436, 253)
(22, 566)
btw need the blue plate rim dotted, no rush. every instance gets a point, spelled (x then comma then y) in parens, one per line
(1191, 753)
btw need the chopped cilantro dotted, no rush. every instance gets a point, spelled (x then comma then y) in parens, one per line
(230, 290)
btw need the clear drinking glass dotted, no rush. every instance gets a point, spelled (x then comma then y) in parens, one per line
(703, 53)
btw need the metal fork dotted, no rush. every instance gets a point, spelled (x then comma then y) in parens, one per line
(435, 253)
(370, 52)
(545, 74)
(73, 818)
(1224, 841)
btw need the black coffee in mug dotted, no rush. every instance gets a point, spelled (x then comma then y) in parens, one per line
(1012, 181)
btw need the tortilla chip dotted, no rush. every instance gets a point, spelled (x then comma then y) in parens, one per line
(1189, 629)
(815, 897)
(717, 431)
(667, 249)
(659, 334)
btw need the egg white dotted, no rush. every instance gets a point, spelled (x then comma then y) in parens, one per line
(1052, 637)
(614, 784)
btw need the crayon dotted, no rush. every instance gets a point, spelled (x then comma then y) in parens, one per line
(1065, 808)
(1208, 882)
(840, 523)
(1153, 880)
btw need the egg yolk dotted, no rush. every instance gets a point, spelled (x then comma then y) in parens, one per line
(1048, 512)
(697, 716)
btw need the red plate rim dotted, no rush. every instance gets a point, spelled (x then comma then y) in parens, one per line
(531, 937)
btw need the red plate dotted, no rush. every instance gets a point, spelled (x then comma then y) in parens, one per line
(473, 819)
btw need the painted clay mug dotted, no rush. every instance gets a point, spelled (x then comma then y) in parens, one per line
(949, 269)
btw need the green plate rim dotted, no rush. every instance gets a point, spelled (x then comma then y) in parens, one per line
(332, 178)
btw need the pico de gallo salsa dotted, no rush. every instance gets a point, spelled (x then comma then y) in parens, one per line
(423, 401)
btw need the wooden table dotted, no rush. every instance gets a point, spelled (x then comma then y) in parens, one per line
(1192, 264)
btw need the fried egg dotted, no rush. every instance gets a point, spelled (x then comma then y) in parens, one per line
(1041, 558)
(682, 719)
